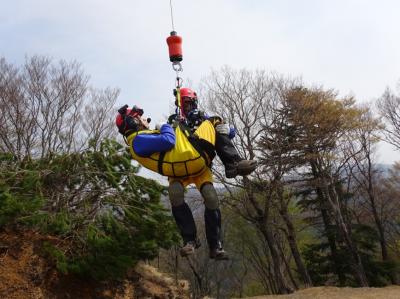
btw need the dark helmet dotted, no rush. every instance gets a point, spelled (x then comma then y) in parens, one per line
(128, 119)
(188, 100)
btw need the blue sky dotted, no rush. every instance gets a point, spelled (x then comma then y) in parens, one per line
(352, 46)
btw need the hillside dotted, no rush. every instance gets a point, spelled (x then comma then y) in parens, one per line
(26, 273)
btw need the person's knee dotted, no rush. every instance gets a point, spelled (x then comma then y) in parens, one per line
(223, 129)
(210, 196)
(176, 193)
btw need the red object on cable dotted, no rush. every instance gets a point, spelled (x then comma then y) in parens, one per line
(174, 42)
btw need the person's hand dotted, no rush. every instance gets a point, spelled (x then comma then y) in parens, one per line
(175, 123)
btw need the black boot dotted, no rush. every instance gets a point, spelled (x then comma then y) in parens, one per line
(212, 220)
(187, 227)
(234, 164)
(218, 254)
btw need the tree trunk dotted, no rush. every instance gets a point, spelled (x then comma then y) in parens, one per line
(329, 233)
(378, 222)
(329, 195)
(333, 201)
(283, 287)
(291, 236)
(292, 240)
(288, 268)
(381, 230)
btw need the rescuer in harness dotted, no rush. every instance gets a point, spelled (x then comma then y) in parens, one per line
(185, 157)
(206, 135)
(191, 118)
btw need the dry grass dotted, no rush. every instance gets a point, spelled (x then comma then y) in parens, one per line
(392, 292)
(160, 285)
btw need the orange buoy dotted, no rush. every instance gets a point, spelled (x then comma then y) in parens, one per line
(174, 42)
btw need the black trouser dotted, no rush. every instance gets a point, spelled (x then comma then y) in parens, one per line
(184, 217)
(225, 149)
(185, 222)
(212, 220)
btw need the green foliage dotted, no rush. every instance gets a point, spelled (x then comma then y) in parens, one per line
(58, 256)
(20, 193)
(58, 223)
(246, 248)
(322, 266)
(377, 271)
(111, 217)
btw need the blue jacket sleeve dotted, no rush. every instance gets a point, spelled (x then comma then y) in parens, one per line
(147, 144)
(232, 133)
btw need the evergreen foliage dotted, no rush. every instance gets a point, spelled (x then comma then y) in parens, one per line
(111, 217)
(322, 265)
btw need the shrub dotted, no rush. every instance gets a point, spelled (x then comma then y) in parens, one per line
(111, 217)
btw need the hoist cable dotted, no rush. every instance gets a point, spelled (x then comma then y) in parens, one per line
(177, 67)
(172, 16)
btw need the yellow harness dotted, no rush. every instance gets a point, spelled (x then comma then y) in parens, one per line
(185, 159)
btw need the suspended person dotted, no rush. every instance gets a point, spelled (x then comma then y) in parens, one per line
(191, 117)
(185, 158)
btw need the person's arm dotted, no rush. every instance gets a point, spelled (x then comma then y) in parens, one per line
(147, 144)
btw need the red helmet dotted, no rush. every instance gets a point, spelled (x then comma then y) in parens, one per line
(187, 95)
(126, 119)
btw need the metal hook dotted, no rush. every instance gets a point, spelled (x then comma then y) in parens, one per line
(177, 66)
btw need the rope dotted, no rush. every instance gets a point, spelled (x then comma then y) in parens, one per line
(177, 67)
(172, 16)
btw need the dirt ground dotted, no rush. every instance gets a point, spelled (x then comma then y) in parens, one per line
(25, 273)
(392, 292)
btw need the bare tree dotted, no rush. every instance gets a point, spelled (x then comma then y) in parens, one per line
(294, 131)
(49, 108)
(389, 106)
(241, 99)
(388, 202)
(98, 116)
(366, 175)
(17, 119)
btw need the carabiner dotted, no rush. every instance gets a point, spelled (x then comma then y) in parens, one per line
(177, 66)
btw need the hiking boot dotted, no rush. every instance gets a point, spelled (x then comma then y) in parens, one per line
(243, 167)
(219, 254)
(189, 247)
